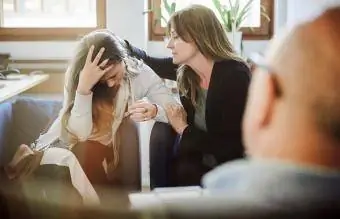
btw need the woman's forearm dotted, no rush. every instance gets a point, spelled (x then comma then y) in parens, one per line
(163, 67)
(80, 121)
(151, 86)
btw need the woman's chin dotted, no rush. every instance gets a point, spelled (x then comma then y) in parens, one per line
(175, 61)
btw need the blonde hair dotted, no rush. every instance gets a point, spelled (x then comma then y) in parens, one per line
(199, 24)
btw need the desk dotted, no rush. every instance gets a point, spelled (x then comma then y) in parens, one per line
(11, 88)
(142, 200)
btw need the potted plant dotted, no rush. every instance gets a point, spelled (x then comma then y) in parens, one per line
(4, 60)
(232, 16)
(170, 8)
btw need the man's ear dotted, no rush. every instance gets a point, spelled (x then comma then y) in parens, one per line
(259, 110)
(266, 105)
(261, 101)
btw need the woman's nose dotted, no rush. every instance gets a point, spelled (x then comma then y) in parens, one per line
(170, 44)
(110, 82)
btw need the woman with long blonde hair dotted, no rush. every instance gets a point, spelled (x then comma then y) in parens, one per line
(105, 91)
(213, 83)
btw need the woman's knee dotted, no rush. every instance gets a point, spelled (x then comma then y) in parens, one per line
(162, 133)
(59, 156)
(129, 138)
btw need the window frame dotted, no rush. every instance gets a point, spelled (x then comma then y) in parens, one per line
(264, 32)
(53, 34)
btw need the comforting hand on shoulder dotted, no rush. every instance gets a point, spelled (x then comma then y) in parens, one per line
(93, 71)
(177, 117)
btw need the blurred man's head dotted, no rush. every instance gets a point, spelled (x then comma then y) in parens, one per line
(293, 111)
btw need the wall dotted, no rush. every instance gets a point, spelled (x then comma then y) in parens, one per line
(123, 19)
(302, 10)
(126, 19)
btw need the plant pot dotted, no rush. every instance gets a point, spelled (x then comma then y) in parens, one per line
(4, 60)
(235, 39)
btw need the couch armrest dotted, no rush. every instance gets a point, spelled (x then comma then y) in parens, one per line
(6, 152)
(31, 116)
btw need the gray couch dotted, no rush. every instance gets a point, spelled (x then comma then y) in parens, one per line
(22, 120)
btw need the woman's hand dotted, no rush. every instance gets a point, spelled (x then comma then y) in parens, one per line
(141, 111)
(177, 117)
(93, 71)
(23, 163)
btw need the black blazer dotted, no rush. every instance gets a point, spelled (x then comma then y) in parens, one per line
(200, 151)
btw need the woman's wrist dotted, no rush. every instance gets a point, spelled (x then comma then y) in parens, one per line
(83, 91)
(181, 130)
(154, 111)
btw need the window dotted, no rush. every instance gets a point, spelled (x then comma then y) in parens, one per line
(50, 19)
(255, 26)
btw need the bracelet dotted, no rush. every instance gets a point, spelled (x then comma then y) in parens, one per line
(180, 131)
(156, 110)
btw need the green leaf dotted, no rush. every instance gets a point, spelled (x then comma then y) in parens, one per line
(221, 12)
(173, 8)
(242, 15)
(229, 21)
(167, 7)
(164, 20)
(244, 11)
(156, 22)
(236, 13)
(237, 8)
(264, 13)
(231, 9)
(158, 13)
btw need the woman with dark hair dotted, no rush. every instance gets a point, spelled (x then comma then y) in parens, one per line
(213, 83)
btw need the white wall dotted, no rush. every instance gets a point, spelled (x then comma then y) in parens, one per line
(302, 10)
(125, 18)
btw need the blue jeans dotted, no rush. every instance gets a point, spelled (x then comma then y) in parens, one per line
(162, 147)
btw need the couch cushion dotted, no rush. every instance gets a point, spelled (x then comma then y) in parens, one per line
(31, 117)
(5, 129)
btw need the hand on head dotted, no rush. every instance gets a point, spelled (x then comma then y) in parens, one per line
(93, 71)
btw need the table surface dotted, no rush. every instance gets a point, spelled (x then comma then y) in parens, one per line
(140, 200)
(17, 84)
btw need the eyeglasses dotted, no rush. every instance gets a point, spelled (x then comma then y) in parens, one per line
(258, 61)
